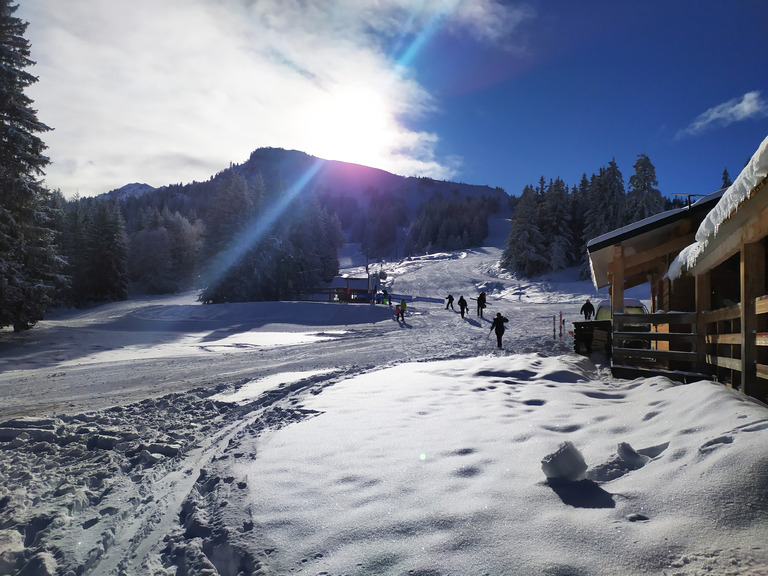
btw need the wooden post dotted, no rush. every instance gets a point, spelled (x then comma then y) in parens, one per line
(617, 281)
(752, 286)
(703, 289)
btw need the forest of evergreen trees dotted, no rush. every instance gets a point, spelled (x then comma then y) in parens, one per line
(552, 223)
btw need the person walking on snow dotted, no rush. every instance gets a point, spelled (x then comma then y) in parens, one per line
(402, 309)
(481, 304)
(588, 309)
(498, 326)
(450, 302)
(463, 305)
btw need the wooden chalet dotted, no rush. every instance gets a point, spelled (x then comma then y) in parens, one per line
(354, 290)
(706, 267)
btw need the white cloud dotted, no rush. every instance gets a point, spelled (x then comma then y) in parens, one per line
(751, 105)
(174, 90)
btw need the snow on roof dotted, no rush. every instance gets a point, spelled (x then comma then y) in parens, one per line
(643, 234)
(740, 191)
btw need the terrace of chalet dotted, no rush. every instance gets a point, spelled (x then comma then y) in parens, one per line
(706, 268)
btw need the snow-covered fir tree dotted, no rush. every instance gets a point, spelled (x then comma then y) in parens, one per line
(556, 224)
(526, 249)
(643, 197)
(30, 268)
(579, 207)
(607, 201)
(107, 253)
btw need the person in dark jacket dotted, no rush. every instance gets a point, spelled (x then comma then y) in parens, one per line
(588, 310)
(498, 326)
(481, 304)
(450, 302)
(463, 306)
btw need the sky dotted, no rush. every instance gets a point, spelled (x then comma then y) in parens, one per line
(496, 92)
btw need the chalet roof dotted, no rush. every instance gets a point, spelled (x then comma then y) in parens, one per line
(740, 202)
(644, 235)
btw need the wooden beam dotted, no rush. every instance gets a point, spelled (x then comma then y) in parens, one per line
(729, 339)
(761, 305)
(637, 279)
(655, 355)
(728, 313)
(703, 288)
(723, 362)
(752, 273)
(617, 281)
(761, 339)
(656, 336)
(673, 246)
(657, 318)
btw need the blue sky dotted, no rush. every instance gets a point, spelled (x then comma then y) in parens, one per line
(483, 91)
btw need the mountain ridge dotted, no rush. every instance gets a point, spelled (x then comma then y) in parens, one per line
(280, 167)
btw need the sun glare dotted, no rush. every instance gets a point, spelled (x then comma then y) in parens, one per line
(353, 124)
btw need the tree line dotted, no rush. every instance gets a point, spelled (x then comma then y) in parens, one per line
(553, 222)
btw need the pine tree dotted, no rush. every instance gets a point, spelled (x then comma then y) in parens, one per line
(607, 202)
(29, 264)
(643, 198)
(579, 207)
(232, 209)
(726, 178)
(556, 224)
(74, 249)
(164, 251)
(525, 252)
(107, 254)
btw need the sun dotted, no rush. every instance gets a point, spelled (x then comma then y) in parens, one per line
(353, 124)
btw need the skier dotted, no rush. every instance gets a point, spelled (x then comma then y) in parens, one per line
(450, 302)
(385, 294)
(588, 309)
(463, 306)
(498, 326)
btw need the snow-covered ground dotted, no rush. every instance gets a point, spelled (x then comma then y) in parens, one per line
(164, 437)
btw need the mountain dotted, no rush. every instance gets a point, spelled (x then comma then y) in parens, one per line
(282, 169)
(278, 166)
(130, 191)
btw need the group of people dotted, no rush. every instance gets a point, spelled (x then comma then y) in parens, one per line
(498, 321)
(463, 306)
(496, 326)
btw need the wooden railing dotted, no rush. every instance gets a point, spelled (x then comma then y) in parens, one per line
(723, 341)
(669, 342)
(664, 341)
(761, 338)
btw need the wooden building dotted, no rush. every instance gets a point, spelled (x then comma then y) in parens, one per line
(354, 290)
(705, 265)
